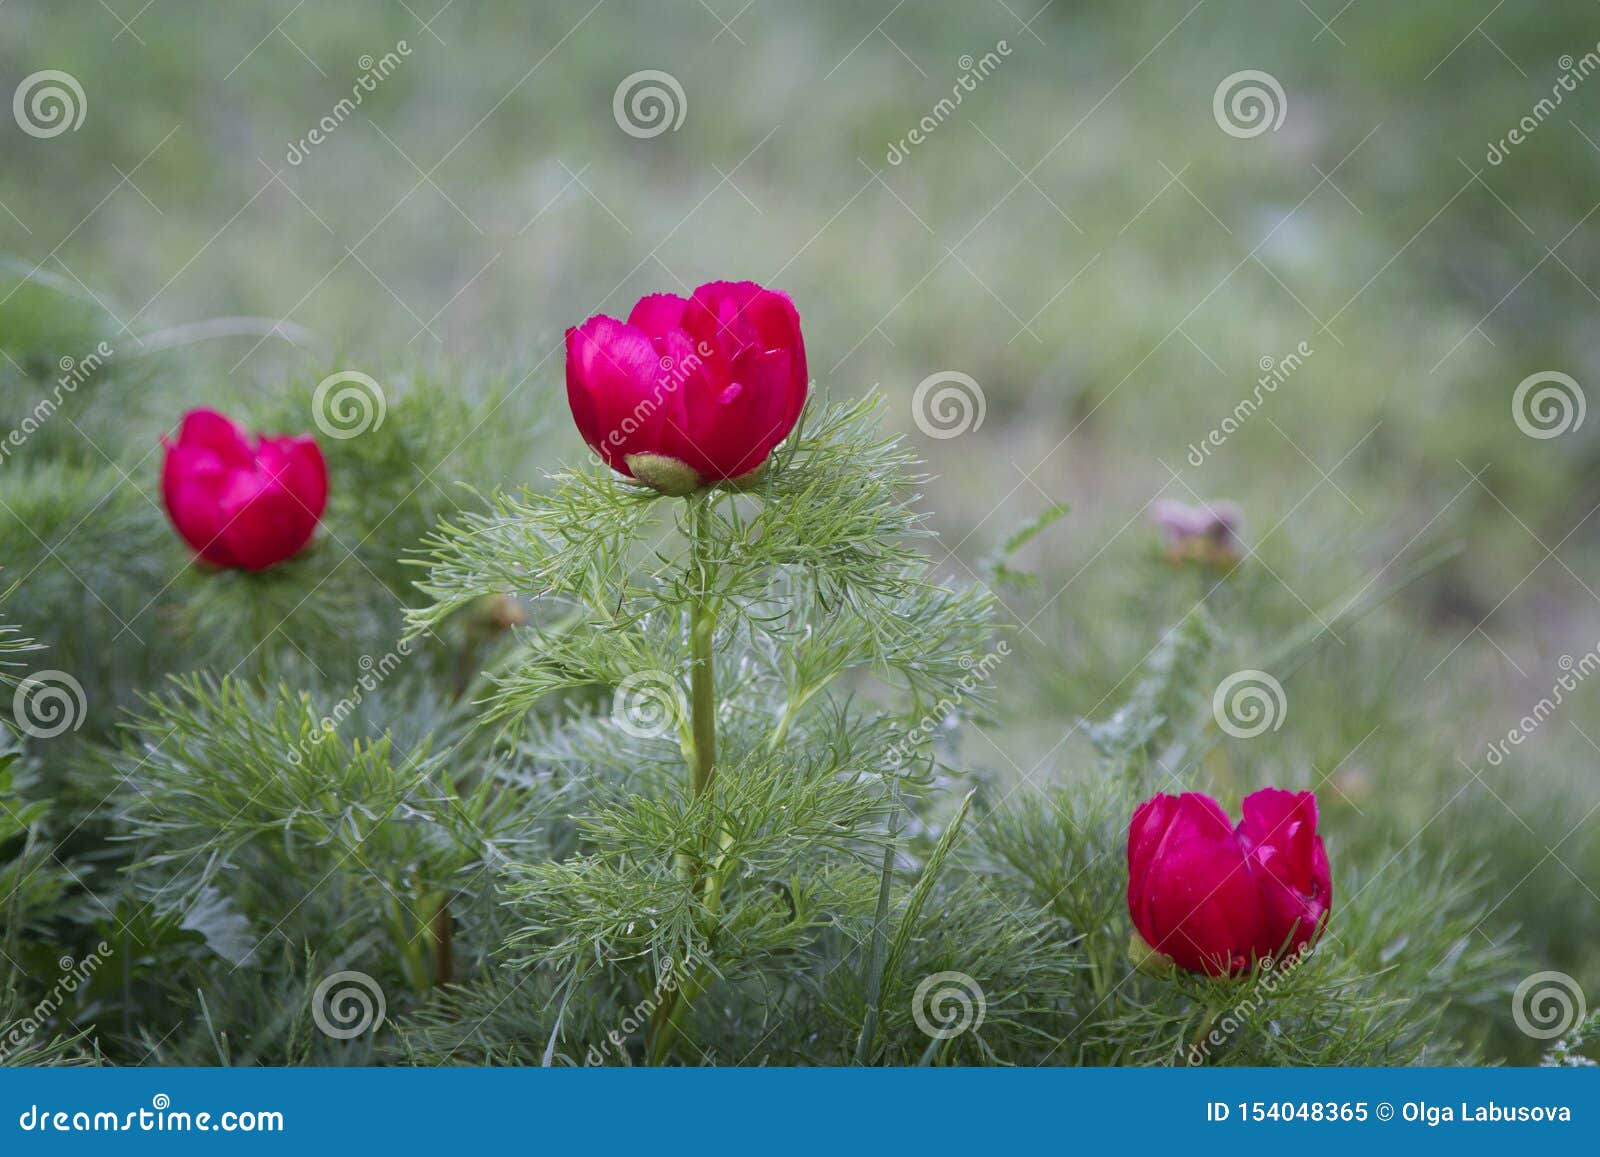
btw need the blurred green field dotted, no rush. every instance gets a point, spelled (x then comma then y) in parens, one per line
(1079, 236)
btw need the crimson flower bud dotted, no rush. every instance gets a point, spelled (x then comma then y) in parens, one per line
(689, 393)
(242, 501)
(1217, 899)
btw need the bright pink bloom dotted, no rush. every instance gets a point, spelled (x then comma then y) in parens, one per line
(1217, 898)
(712, 383)
(242, 501)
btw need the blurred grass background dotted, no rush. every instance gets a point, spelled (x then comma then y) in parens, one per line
(1079, 236)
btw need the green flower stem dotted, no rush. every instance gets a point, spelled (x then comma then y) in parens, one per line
(1206, 1023)
(665, 1026)
(441, 934)
(702, 695)
(718, 873)
(792, 708)
(441, 926)
(666, 1023)
(878, 955)
(412, 950)
(702, 631)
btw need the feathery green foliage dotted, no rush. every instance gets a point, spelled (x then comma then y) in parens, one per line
(831, 641)
(511, 828)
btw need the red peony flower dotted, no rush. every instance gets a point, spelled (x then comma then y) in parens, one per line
(687, 393)
(241, 501)
(1217, 898)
